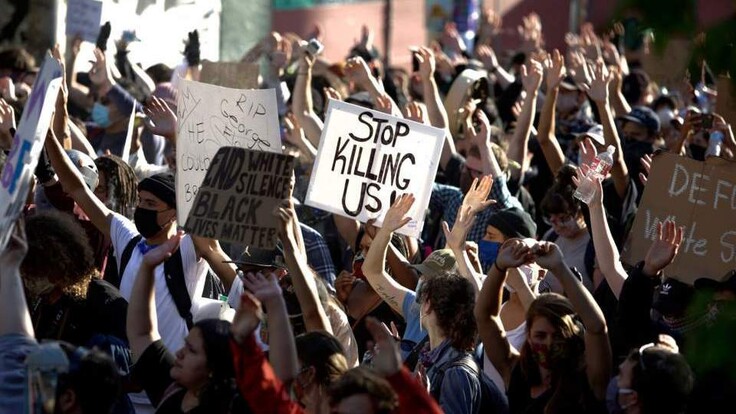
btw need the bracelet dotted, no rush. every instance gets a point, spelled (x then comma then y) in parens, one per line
(503, 271)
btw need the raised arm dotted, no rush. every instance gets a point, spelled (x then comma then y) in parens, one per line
(597, 346)
(74, 185)
(605, 248)
(13, 306)
(433, 101)
(475, 201)
(302, 106)
(211, 251)
(531, 78)
(282, 348)
(502, 355)
(546, 137)
(598, 92)
(61, 113)
(387, 288)
(303, 277)
(142, 323)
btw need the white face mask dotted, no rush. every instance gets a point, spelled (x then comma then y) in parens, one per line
(528, 273)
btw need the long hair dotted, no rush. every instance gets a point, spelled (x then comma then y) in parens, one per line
(220, 394)
(121, 184)
(452, 299)
(324, 352)
(568, 370)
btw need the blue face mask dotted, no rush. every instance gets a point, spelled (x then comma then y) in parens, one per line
(488, 250)
(101, 115)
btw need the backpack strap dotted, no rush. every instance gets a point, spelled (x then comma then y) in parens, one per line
(175, 282)
(125, 257)
(465, 360)
(413, 357)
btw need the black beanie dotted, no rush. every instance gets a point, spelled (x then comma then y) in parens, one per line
(162, 186)
(513, 223)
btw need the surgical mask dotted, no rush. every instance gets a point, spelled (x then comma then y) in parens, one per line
(488, 251)
(101, 115)
(527, 273)
(146, 221)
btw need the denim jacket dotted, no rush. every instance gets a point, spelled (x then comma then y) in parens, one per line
(460, 391)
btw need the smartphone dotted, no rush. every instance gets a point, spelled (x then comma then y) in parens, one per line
(314, 47)
(707, 122)
(103, 36)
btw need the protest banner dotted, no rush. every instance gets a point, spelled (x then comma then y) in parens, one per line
(701, 196)
(726, 100)
(83, 19)
(669, 67)
(230, 74)
(15, 180)
(237, 198)
(366, 159)
(210, 117)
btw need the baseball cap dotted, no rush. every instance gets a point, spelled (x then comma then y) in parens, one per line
(254, 256)
(513, 222)
(595, 133)
(438, 262)
(672, 297)
(644, 116)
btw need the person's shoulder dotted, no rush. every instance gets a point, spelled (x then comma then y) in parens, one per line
(102, 289)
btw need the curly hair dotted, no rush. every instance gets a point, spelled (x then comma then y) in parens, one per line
(121, 183)
(58, 248)
(560, 198)
(568, 371)
(452, 299)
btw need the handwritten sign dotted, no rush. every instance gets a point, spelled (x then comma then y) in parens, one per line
(15, 180)
(83, 19)
(236, 200)
(230, 74)
(701, 196)
(210, 117)
(366, 159)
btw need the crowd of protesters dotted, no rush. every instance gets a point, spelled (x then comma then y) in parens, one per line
(513, 300)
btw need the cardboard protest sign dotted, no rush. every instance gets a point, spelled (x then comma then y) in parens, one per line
(236, 200)
(366, 159)
(15, 180)
(726, 100)
(83, 19)
(210, 117)
(669, 67)
(230, 74)
(701, 196)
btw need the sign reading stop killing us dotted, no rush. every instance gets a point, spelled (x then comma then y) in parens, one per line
(237, 198)
(701, 197)
(366, 159)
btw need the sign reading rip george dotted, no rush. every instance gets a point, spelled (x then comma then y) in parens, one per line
(238, 196)
(701, 197)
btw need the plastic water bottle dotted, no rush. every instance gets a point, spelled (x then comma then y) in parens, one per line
(598, 170)
(715, 142)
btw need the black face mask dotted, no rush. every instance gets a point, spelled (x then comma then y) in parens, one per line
(146, 221)
(697, 152)
(633, 152)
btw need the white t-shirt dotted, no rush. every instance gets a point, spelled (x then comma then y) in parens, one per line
(171, 325)
(516, 338)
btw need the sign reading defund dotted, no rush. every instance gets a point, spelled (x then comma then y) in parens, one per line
(210, 117)
(701, 196)
(238, 195)
(366, 159)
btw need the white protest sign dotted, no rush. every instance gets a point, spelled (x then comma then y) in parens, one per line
(15, 180)
(210, 117)
(83, 19)
(366, 159)
(128, 136)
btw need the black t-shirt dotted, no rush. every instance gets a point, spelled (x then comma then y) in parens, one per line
(75, 320)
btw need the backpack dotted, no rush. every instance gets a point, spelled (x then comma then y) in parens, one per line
(492, 400)
(174, 275)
